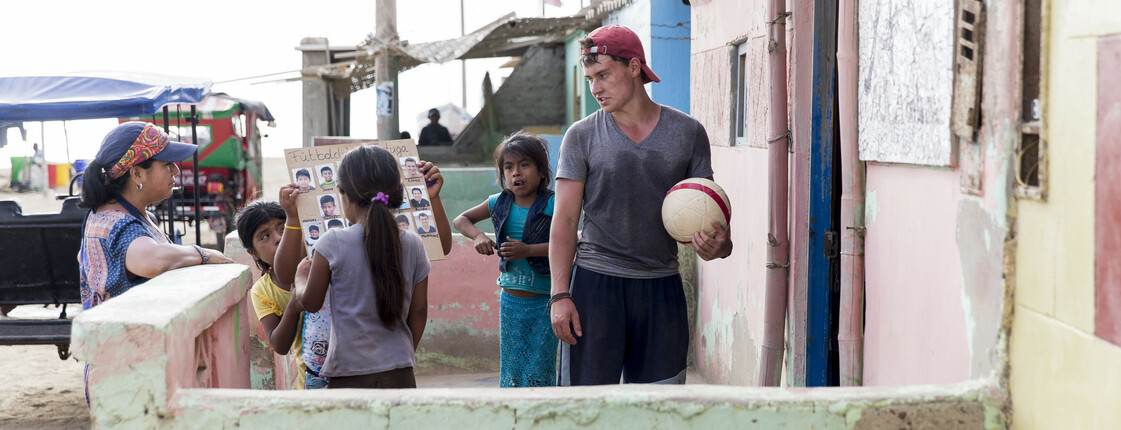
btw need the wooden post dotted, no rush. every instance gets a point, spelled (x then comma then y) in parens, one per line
(386, 67)
(315, 52)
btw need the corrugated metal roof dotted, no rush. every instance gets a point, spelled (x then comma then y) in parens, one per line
(504, 37)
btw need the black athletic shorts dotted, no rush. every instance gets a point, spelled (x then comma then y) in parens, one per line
(634, 328)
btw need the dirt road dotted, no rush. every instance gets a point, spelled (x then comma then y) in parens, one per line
(40, 391)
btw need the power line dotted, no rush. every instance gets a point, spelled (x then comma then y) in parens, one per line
(256, 77)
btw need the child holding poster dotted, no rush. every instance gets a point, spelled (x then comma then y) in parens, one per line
(521, 214)
(317, 326)
(312, 339)
(260, 226)
(322, 206)
(374, 274)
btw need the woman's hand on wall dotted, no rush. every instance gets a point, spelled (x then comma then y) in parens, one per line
(215, 257)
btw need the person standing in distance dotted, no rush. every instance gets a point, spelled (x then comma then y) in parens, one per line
(617, 300)
(434, 133)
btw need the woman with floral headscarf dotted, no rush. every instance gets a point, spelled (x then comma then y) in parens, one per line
(121, 247)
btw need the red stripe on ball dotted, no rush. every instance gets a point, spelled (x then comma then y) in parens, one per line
(711, 193)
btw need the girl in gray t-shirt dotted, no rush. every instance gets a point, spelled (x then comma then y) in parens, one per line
(376, 276)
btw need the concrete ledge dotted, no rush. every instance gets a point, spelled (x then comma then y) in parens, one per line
(973, 404)
(179, 330)
(173, 353)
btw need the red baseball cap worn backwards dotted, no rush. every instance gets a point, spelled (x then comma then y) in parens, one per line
(619, 41)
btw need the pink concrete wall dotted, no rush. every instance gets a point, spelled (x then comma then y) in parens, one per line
(731, 292)
(915, 328)
(935, 265)
(1107, 186)
(180, 330)
(267, 369)
(961, 242)
(462, 330)
(462, 289)
(936, 248)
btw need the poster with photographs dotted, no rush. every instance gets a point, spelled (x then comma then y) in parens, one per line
(316, 171)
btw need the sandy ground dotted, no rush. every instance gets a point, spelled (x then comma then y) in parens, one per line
(40, 391)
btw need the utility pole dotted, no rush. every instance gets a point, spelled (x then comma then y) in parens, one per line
(463, 63)
(385, 65)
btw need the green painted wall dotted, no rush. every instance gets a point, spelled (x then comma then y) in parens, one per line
(466, 187)
(582, 104)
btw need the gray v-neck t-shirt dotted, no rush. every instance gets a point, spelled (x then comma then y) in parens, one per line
(624, 185)
(360, 343)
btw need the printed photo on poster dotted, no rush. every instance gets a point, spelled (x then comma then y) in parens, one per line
(303, 179)
(327, 176)
(418, 198)
(330, 205)
(312, 230)
(316, 170)
(409, 167)
(335, 223)
(403, 222)
(424, 222)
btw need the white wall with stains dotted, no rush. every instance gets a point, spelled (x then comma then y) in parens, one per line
(906, 81)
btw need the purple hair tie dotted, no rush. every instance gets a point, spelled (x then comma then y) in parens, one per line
(381, 197)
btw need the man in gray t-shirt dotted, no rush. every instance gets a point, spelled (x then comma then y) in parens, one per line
(617, 165)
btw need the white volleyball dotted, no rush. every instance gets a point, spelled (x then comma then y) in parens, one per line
(691, 206)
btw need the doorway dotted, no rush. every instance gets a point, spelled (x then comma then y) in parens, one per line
(823, 278)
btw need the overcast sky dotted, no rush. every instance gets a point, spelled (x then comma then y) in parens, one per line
(232, 40)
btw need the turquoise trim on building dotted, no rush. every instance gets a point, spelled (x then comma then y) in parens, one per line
(579, 102)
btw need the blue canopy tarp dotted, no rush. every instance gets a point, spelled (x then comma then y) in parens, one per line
(102, 95)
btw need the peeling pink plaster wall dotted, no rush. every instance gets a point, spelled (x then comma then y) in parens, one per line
(217, 358)
(462, 318)
(267, 369)
(141, 340)
(179, 330)
(915, 326)
(462, 290)
(730, 307)
(731, 293)
(958, 239)
(935, 255)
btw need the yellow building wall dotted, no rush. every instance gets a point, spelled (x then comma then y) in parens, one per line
(1062, 376)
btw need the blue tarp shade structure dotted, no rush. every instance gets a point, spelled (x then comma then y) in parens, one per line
(107, 95)
(97, 95)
